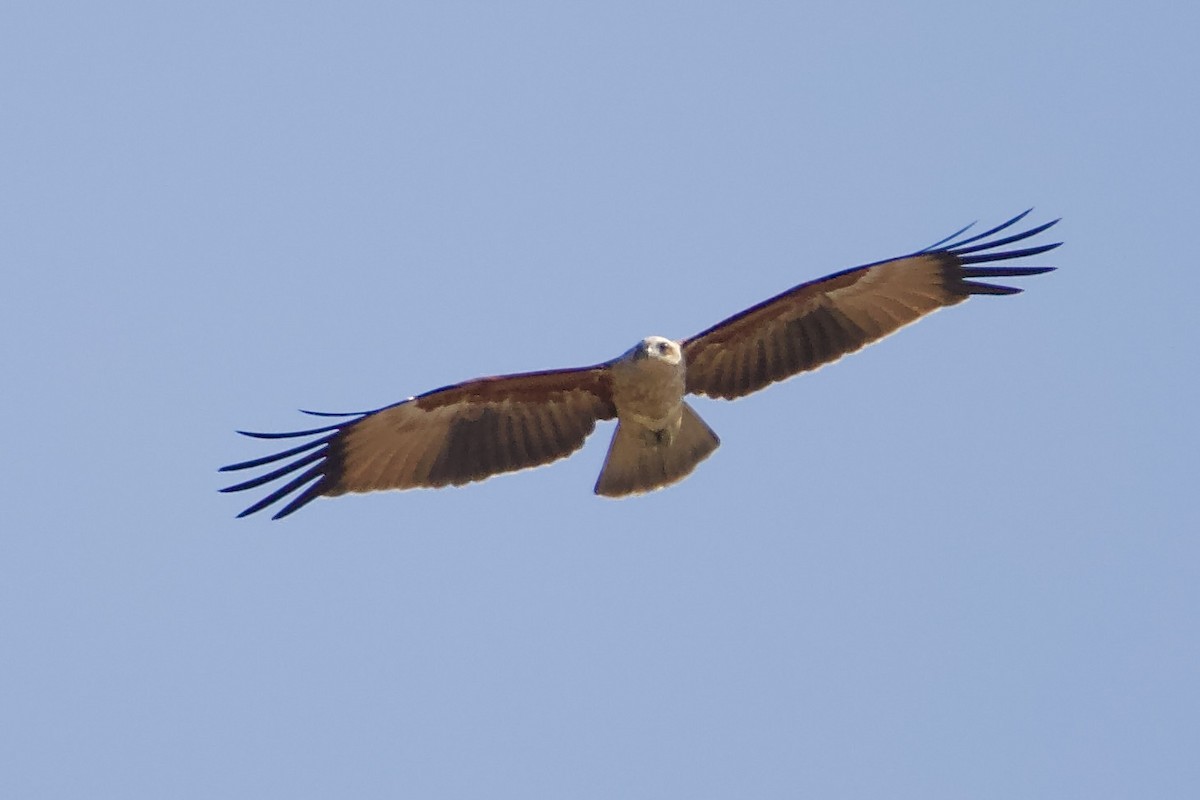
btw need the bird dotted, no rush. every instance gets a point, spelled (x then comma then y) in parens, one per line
(473, 430)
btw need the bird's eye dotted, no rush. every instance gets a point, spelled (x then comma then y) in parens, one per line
(664, 348)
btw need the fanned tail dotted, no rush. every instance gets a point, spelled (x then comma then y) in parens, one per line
(641, 460)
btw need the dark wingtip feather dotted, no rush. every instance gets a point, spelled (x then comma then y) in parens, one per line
(1016, 237)
(286, 469)
(334, 413)
(942, 242)
(286, 489)
(310, 459)
(1004, 272)
(967, 256)
(258, 462)
(975, 287)
(301, 500)
(1005, 255)
(292, 434)
(949, 244)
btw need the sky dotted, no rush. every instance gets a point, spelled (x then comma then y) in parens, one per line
(961, 563)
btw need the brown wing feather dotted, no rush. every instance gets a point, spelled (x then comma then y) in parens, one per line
(450, 436)
(818, 322)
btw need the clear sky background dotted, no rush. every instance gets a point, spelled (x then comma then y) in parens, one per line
(960, 564)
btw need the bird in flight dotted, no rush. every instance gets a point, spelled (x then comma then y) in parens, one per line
(473, 430)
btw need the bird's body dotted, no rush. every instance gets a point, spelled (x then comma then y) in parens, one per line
(648, 384)
(472, 430)
(659, 437)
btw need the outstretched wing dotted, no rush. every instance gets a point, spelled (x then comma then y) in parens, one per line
(454, 435)
(818, 322)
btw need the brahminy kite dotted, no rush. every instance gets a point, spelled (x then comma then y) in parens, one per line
(473, 430)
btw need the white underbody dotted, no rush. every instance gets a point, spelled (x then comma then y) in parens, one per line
(648, 384)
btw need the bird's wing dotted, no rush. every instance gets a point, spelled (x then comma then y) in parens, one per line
(454, 435)
(818, 322)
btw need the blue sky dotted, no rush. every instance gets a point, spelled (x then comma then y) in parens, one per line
(961, 563)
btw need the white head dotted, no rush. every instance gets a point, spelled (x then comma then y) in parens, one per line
(658, 348)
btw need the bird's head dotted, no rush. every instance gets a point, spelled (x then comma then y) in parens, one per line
(658, 348)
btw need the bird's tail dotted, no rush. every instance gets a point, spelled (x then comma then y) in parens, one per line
(640, 459)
